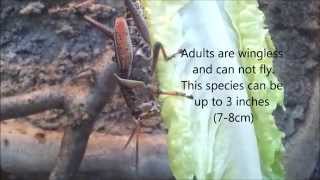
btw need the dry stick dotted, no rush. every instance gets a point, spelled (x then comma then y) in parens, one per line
(83, 102)
(84, 3)
(31, 103)
(71, 7)
(73, 146)
(76, 137)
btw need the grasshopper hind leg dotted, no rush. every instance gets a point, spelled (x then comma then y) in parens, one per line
(136, 132)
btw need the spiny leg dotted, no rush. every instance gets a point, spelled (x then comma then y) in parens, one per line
(157, 47)
(175, 93)
(128, 83)
(154, 89)
(137, 146)
(131, 84)
(143, 29)
(136, 132)
(100, 26)
(137, 123)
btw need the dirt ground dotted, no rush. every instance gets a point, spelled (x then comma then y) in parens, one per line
(40, 49)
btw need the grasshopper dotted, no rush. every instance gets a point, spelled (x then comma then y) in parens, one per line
(129, 82)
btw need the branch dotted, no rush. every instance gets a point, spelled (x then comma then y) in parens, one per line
(34, 102)
(76, 137)
(22, 152)
(72, 149)
(82, 100)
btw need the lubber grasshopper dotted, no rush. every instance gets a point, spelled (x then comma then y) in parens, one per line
(128, 78)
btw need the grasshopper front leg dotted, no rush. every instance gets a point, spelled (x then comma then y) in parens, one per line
(143, 29)
(157, 47)
(133, 84)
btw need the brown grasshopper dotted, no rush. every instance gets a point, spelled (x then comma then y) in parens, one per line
(126, 59)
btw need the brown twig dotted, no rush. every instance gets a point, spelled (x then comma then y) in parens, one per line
(73, 146)
(76, 137)
(71, 7)
(31, 103)
(81, 100)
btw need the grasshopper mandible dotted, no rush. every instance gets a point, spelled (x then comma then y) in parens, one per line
(125, 58)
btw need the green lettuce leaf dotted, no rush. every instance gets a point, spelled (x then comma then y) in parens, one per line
(198, 147)
(248, 22)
